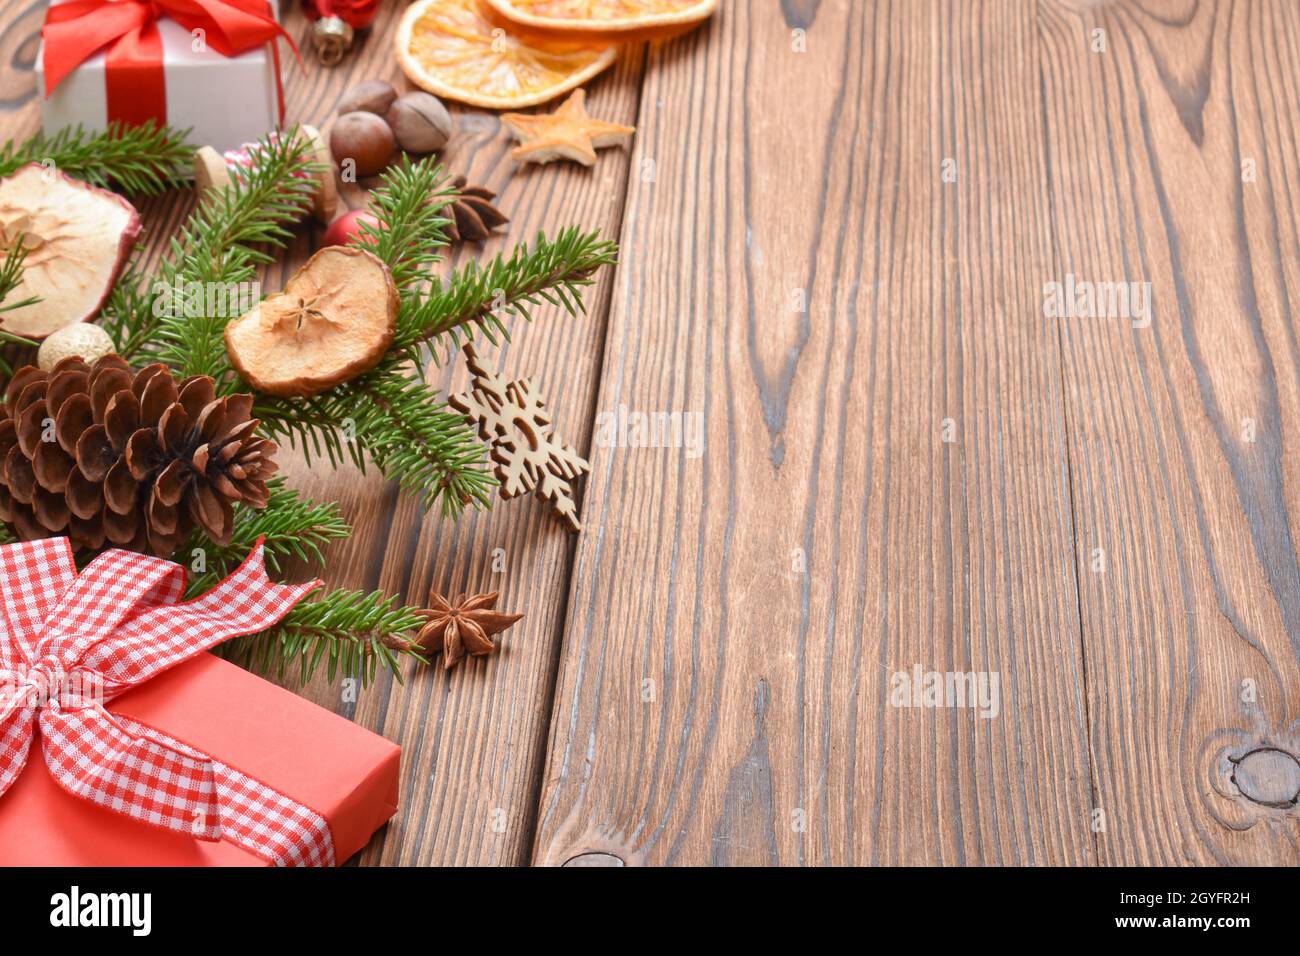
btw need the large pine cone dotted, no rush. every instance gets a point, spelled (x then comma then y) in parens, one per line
(98, 453)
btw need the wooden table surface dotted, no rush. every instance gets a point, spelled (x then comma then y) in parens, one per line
(839, 222)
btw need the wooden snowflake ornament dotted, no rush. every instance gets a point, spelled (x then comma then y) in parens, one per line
(528, 456)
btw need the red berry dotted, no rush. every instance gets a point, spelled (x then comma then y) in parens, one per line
(347, 228)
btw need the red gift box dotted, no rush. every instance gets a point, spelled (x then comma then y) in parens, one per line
(321, 768)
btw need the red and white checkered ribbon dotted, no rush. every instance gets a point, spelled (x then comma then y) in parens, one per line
(71, 642)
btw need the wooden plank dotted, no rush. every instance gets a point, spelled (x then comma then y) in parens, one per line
(1173, 162)
(473, 740)
(736, 620)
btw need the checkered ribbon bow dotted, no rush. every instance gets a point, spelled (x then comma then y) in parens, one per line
(72, 642)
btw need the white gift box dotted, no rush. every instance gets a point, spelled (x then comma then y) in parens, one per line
(225, 101)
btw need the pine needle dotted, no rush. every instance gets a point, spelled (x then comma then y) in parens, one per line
(175, 318)
(11, 274)
(553, 271)
(351, 631)
(294, 528)
(409, 206)
(391, 416)
(145, 160)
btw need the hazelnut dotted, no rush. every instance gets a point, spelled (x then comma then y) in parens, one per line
(363, 138)
(372, 96)
(420, 122)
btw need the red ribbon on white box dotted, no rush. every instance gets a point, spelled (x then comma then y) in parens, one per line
(73, 642)
(128, 31)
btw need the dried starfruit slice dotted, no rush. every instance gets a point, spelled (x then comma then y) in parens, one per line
(77, 238)
(334, 321)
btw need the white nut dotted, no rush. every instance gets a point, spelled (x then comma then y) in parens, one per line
(88, 341)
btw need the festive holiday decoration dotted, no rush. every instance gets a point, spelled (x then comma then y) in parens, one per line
(348, 228)
(75, 240)
(452, 49)
(81, 340)
(152, 69)
(187, 753)
(334, 320)
(358, 14)
(464, 627)
(335, 23)
(623, 21)
(137, 459)
(473, 217)
(387, 418)
(568, 133)
(528, 457)
(143, 160)
(331, 38)
(215, 171)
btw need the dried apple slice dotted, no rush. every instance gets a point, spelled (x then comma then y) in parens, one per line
(334, 320)
(77, 237)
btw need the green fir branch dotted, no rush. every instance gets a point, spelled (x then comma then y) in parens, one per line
(145, 160)
(353, 632)
(11, 275)
(127, 315)
(293, 528)
(409, 206)
(231, 233)
(553, 271)
(391, 416)
(398, 422)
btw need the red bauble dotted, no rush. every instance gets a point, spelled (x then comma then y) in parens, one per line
(347, 228)
(358, 14)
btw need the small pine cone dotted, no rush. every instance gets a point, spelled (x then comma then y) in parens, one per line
(101, 453)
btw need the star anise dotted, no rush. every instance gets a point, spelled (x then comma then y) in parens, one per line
(473, 217)
(466, 626)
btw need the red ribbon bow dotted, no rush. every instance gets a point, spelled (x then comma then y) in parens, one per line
(73, 642)
(135, 80)
(358, 14)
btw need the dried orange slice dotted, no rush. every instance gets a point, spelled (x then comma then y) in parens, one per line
(605, 19)
(452, 49)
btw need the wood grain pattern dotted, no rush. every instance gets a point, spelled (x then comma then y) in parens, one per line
(473, 740)
(1174, 163)
(718, 703)
(840, 222)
